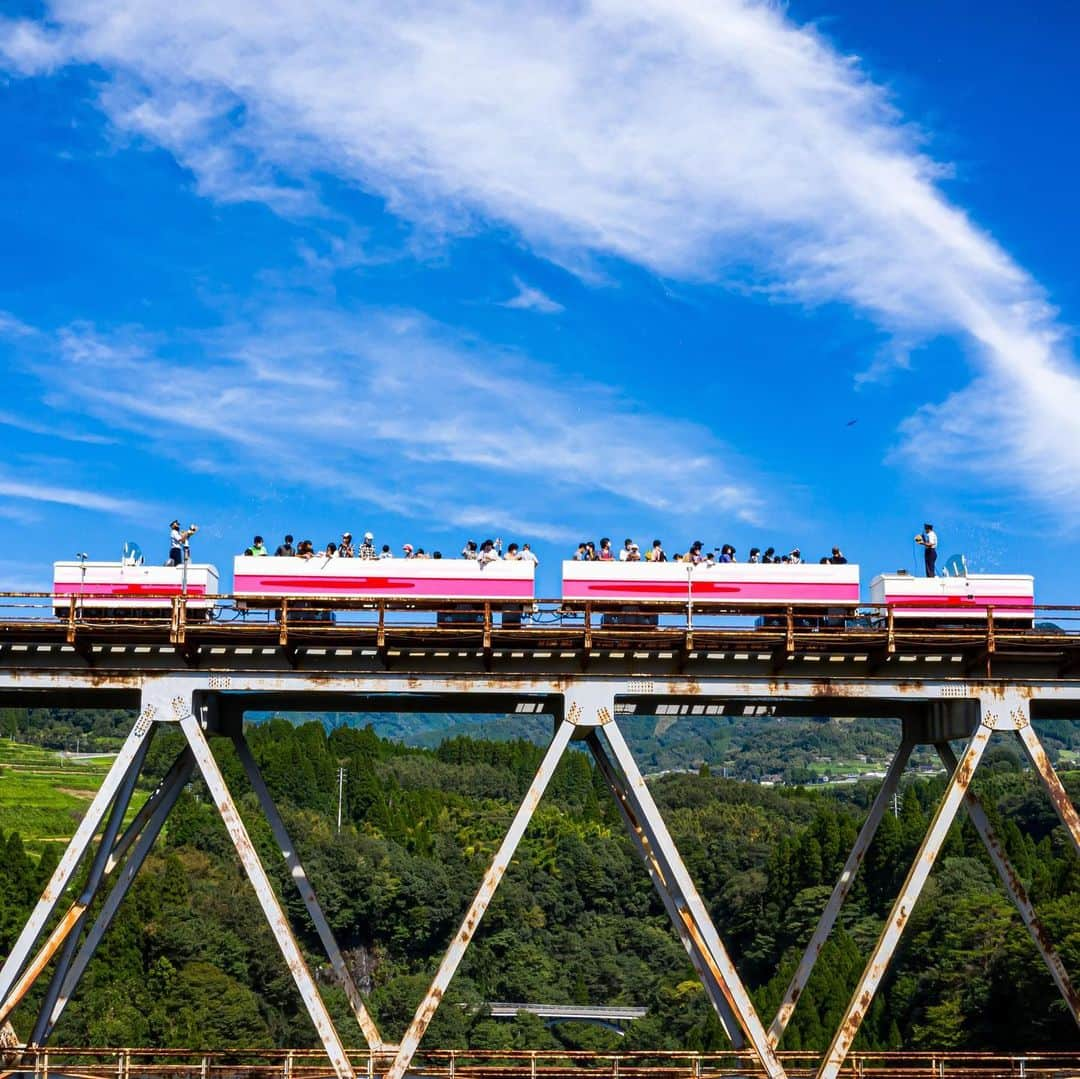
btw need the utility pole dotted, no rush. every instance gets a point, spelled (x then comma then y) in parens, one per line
(340, 791)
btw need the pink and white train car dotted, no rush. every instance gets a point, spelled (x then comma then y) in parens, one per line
(736, 584)
(124, 587)
(429, 580)
(957, 599)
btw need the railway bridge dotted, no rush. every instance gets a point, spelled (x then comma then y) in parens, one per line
(965, 686)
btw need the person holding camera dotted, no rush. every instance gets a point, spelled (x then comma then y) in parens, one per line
(179, 546)
(927, 540)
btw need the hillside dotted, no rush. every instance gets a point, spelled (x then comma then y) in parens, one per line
(190, 961)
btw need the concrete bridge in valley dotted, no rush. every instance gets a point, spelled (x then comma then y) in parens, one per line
(968, 686)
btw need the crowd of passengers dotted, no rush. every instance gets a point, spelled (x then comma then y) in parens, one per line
(631, 552)
(488, 551)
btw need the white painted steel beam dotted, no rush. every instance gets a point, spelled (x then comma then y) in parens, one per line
(695, 915)
(661, 877)
(1015, 888)
(271, 908)
(840, 892)
(165, 798)
(307, 893)
(73, 855)
(1066, 811)
(90, 887)
(32, 970)
(879, 961)
(499, 864)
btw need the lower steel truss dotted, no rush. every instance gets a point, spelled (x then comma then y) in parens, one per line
(584, 709)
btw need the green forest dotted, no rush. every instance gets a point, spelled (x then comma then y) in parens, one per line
(189, 961)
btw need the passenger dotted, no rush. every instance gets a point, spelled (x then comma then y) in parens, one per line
(420, 553)
(512, 553)
(679, 557)
(528, 556)
(257, 548)
(581, 554)
(694, 554)
(838, 558)
(331, 551)
(823, 561)
(770, 556)
(469, 550)
(710, 558)
(436, 554)
(727, 553)
(305, 550)
(346, 548)
(367, 548)
(624, 554)
(657, 552)
(179, 548)
(386, 552)
(590, 549)
(795, 558)
(928, 541)
(407, 550)
(755, 555)
(488, 552)
(286, 549)
(605, 554)
(633, 554)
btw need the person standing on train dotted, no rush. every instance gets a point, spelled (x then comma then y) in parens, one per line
(769, 557)
(657, 553)
(489, 552)
(286, 549)
(346, 548)
(795, 558)
(605, 554)
(386, 552)
(527, 554)
(179, 547)
(755, 555)
(838, 558)
(928, 541)
(469, 550)
(257, 548)
(627, 546)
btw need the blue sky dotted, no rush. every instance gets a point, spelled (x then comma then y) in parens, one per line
(544, 271)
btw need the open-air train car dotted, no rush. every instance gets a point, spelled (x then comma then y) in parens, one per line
(132, 588)
(454, 586)
(956, 600)
(772, 587)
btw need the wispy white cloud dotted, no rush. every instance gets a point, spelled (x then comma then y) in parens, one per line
(392, 409)
(48, 430)
(34, 491)
(529, 298)
(712, 142)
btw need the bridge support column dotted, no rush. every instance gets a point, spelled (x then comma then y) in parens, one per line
(121, 776)
(692, 913)
(674, 902)
(1015, 889)
(143, 833)
(275, 916)
(881, 957)
(307, 893)
(840, 891)
(499, 864)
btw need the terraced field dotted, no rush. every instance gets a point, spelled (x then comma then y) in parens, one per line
(44, 794)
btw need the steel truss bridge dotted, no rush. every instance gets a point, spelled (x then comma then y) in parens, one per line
(968, 686)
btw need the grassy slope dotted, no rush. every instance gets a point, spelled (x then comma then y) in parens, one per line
(43, 795)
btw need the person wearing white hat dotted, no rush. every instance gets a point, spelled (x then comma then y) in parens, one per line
(367, 548)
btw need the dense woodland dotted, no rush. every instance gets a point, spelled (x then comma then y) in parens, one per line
(190, 963)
